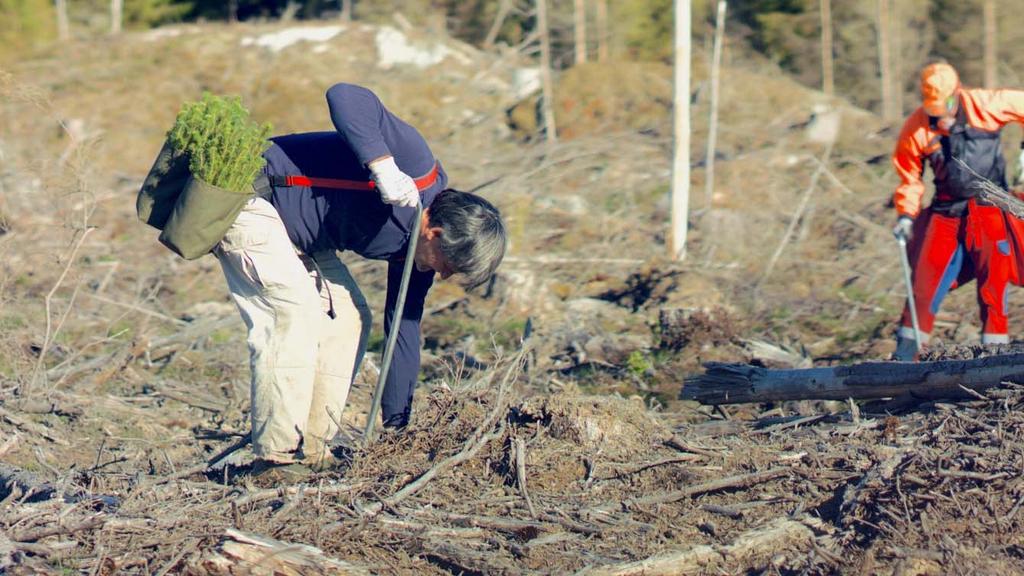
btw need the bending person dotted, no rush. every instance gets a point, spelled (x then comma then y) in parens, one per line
(352, 189)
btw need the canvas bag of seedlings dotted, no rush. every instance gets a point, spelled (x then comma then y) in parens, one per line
(163, 185)
(203, 175)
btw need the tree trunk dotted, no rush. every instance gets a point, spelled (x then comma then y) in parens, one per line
(602, 30)
(741, 383)
(116, 15)
(716, 65)
(346, 10)
(63, 29)
(899, 83)
(580, 29)
(885, 60)
(547, 84)
(232, 11)
(681, 107)
(827, 76)
(991, 44)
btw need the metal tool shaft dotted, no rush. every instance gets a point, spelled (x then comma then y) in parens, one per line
(905, 260)
(396, 322)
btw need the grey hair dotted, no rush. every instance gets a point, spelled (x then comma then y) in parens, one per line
(473, 240)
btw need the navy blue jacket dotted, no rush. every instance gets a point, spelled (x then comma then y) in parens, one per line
(329, 219)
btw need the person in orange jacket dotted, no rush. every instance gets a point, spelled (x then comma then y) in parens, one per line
(959, 236)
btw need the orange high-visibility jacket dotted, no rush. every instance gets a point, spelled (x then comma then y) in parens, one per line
(983, 114)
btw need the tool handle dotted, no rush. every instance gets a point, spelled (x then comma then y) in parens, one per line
(396, 322)
(907, 279)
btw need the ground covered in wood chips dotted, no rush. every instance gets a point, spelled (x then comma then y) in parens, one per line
(547, 437)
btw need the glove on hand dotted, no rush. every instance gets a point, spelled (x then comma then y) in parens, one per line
(395, 186)
(904, 228)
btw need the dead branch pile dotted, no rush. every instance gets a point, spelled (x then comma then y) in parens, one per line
(952, 497)
(485, 482)
(488, 481)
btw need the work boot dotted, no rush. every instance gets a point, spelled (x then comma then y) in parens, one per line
(322, 463)
(906, 350)
(396, 422)
(270, 473)
(315, 455)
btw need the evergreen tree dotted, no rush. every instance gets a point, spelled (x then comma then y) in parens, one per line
(223, 144)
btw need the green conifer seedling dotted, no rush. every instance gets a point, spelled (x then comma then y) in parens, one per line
(224, 145)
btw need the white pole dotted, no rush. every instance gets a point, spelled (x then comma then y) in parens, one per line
(63, 29)
(716, 64)
(681, 160)
(827, 79)
(547, 84)
(602, 30)
(991, 43)
(580, 30)
(899, 82)
(885, 60)
(116, 15)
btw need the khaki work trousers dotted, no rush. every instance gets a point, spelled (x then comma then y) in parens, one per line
(301, 358)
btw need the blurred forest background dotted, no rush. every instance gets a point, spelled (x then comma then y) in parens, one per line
(877, 45)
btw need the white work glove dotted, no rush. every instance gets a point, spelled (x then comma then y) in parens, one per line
(904, 228)
(396, 187)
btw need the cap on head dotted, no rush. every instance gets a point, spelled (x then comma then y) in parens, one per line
(939, 83)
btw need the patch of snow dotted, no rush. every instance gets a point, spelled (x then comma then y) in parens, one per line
(582, 308)
(277, 41)
(823, 127)
(161, 33)
(525, 81)
(394, 48)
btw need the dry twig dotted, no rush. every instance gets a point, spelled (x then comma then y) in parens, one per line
(50, 333)
(520, 457)
(738, 481)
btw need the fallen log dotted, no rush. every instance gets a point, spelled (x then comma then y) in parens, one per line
(32, 427)
(740, 383)
(247, 553)
(29, 536)
(753, 548)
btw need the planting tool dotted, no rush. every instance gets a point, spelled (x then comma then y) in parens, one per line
(396, 321)
(902, 241)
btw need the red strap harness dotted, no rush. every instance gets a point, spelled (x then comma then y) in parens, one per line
(422, 183)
